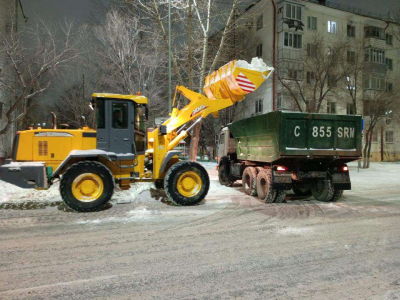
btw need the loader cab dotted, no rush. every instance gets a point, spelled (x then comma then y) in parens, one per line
(121, 123)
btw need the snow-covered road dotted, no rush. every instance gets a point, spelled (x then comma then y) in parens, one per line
(229, 246)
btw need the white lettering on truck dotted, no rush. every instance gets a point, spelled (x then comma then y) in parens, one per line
(296, 133)
(322, 131)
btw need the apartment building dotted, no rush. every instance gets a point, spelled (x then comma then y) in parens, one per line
(282, 31)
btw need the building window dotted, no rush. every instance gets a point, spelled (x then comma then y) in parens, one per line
(331, 107)
(374, 137)
(312, 50)
(312, 23)
(376, 83)
(332, 80)
(295, 74)
(293, 11)
(351, 56)
(259, 106)
(350, 108)
(310, 76)
(367, 108)
(389, 64)
(389, 137)
(279, 102)
(389, 87)
(332, 27)
(374, 32)
(351, 31)
(260, 22)
(259, 50)
(374, 55)
(293, 40)
(389, 39)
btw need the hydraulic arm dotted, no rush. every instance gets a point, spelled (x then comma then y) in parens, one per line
(223, 88)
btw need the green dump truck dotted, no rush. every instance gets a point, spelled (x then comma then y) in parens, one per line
(280, 151)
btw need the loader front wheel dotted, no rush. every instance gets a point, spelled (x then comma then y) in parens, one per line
(87, 186)
(186, 183)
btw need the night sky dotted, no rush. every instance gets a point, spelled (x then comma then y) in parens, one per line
(83, 10)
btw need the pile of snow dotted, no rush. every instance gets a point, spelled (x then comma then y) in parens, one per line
(10, 193)
(294, 230)
(257, 64)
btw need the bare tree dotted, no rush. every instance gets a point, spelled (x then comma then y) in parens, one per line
(193, 21)
(128, 57)
(317, 75)
(73, 109)
(33, 57)
(379, 106)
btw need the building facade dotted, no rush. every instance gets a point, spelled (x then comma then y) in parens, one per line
(282, 31)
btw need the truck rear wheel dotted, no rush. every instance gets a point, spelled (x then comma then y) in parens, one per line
(186, 183)
(223, 175)
(87, 186)
(265, 189)
(322, 190)
(337, 194)
(249, 181)
(301, 189)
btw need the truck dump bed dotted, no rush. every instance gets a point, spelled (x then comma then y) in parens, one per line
(279, 135)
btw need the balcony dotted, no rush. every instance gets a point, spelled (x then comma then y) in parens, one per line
(290, 54)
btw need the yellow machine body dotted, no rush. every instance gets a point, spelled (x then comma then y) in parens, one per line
(52, 146)
(223, 88)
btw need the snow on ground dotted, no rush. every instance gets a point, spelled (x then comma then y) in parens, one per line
(379, 174)
(295, 230)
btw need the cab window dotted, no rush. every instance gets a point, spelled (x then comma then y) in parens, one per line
(120, 115)
(139, 118)
(100, 114)
(222, 139)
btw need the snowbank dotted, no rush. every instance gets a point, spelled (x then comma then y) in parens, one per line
(257, 64)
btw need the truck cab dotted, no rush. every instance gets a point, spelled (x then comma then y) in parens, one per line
(226, 143)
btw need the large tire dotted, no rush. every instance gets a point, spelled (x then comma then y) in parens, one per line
(249, 181)
(186, 183)
(337, 194)
(280, 196)
(87, 186)
(322, 190)
(265, 189)
(301, 189)
(223, 174)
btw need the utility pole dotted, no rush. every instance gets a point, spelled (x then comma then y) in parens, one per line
(169, 59)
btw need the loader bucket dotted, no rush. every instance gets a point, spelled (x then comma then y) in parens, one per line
(234, 82)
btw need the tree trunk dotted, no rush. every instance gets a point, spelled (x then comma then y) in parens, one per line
(194, 142)
(366, 158)
(369, 151)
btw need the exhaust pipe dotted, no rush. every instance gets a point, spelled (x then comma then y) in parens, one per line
(54, 120)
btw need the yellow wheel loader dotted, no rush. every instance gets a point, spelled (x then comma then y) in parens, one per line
(122, 150)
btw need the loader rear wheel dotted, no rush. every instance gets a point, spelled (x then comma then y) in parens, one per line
(249, 181)
(322, 190)
(265, 189)
(186, 183)
(87, 186)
